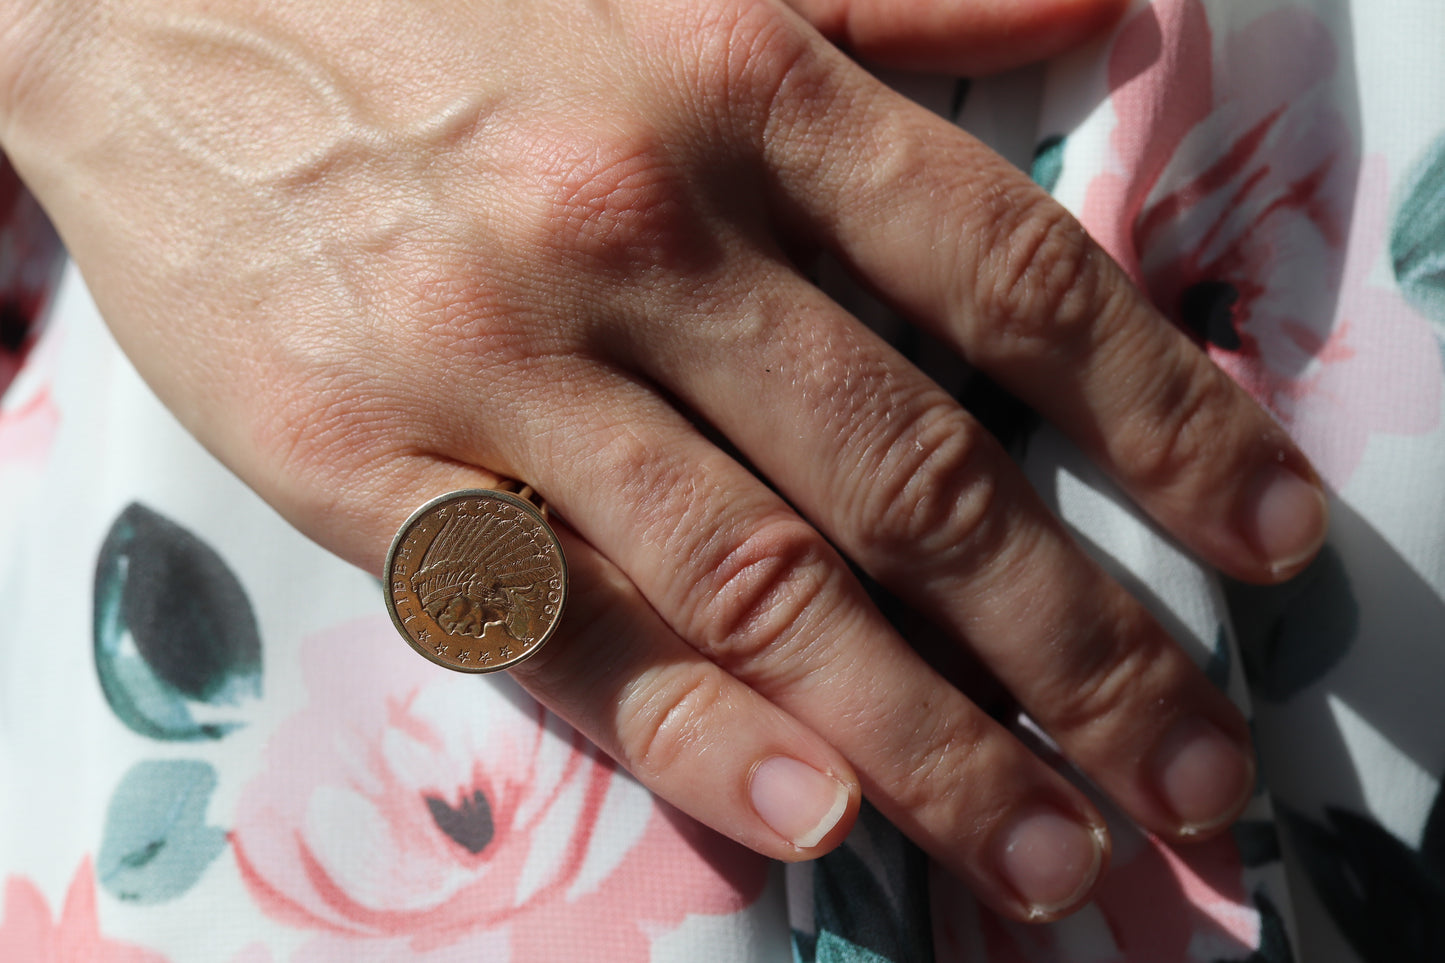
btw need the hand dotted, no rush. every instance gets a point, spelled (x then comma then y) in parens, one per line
(376, 252)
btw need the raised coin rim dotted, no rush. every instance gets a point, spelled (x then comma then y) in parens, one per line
(400, 537)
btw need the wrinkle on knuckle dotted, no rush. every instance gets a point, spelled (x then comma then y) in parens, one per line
(761, 595)
(941, 761)
(626, 461)
(665, 716)
(932, 492)
(1175, 429)
(449, 304)
(742, 59)
(1106, 686)
(612, 199)
(902, 151)
(1039, 283)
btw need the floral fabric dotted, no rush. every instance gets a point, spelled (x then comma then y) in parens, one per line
(212, 746)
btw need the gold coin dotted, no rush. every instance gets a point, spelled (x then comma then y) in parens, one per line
(475, 580)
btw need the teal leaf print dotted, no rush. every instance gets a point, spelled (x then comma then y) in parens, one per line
(1291, 635)
(1048, 165)
(832, 948)
(156, 842)
(1384, 897)
(1257, 841)
(1417, 237)
(1220, 662)
(1432, 846)
(961, 89)
(173, 629)
(869, 915)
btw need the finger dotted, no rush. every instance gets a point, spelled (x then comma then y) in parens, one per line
(766, 653)
(973, 250)
(687, 730)
(761, 594)
(914, 490)
(959, 36)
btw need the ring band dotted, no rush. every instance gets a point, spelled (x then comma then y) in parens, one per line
(475, 579)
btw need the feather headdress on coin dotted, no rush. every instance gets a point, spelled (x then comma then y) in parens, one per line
(482, 570)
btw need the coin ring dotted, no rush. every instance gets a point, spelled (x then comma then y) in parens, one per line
(476, 580)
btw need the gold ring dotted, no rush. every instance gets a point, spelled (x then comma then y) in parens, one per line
(475, 579)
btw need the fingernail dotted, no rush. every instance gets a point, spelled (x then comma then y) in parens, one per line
(800, 803)
(1203, 775)
(1288, 515)
(1050, 860)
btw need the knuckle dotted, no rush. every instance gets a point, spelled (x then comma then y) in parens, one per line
(449, 305)
(625, 460)
(741, 56)
(1109, 682)
(932, 493)
(1039, 283)
(615, 200)
(1176, 427)
(905, 153)
(663, 717)
(762, 594)
(940, 764)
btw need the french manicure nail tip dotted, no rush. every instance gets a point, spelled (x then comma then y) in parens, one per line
(797, 801)
(1050, 860)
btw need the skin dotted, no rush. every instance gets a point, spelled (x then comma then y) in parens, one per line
(371, 252)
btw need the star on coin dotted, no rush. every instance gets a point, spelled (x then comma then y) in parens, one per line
(442, 649)
(504, 651)
(466, 656)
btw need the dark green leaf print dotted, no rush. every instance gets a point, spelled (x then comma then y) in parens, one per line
(1432, 846)
(1220, 663)
(962, 87)
(1290, 635)
(156, 843)
(173, 629)
(1417, 236)
(874, 911)
(1384, 897)
(1258, 842)
(1048, 165)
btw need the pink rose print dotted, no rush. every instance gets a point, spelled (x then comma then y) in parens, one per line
(413, 813)
(1241, 205)
(27, 429)
(27, 932)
